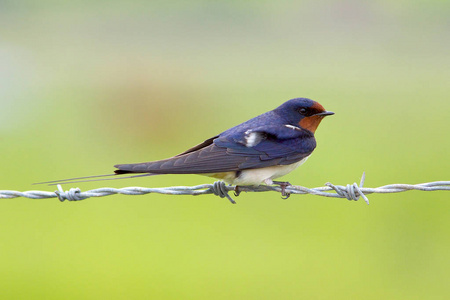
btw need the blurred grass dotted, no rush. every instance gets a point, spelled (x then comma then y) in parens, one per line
(87, 85)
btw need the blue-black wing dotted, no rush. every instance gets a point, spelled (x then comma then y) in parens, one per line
(234, 151)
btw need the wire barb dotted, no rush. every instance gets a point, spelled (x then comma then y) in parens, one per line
(219, 188)
(74, 194)
(351, 192)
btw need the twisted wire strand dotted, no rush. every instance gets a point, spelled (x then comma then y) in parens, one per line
(219, 188)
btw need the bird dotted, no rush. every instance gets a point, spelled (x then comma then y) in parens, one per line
(255, 152)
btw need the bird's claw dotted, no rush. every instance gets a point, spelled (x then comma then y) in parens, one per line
(283, 185)
(237, 191)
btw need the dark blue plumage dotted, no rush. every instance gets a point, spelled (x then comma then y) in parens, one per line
(275, 138)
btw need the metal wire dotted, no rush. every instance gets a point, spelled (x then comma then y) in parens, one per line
(219, 188)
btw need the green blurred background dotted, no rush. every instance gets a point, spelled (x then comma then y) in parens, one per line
(85, 85)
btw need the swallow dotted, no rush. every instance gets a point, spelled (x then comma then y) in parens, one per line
(255, 152)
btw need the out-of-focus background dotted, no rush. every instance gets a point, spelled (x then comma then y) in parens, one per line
(85, 85)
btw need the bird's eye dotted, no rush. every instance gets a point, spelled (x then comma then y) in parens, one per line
(302, 111)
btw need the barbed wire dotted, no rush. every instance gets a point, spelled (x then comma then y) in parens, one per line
(219, 188)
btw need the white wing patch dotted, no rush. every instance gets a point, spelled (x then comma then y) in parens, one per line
(253, 138)
(293, 127)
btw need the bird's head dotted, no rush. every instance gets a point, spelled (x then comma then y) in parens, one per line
(303, 112)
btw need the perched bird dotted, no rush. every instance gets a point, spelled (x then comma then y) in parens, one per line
(255, 152)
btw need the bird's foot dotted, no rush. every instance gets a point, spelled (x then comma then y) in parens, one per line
(237, 191)
(283, 185)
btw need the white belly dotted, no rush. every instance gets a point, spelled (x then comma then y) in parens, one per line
(264, 175)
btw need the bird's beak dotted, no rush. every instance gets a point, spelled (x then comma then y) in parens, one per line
(325, 113)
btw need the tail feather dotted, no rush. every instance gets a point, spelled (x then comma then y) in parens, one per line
(86, 179)
(72, 179)
(138, 168)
